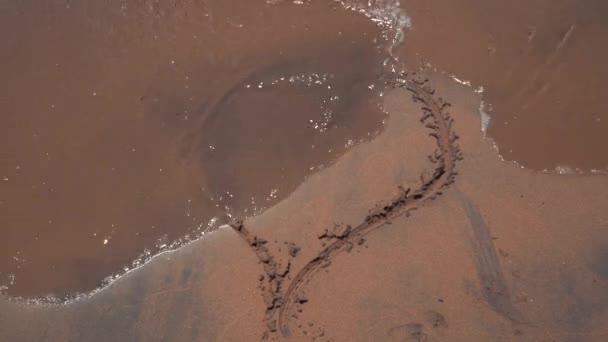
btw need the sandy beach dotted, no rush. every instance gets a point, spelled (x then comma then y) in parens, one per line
(424, 231)
(504, 254)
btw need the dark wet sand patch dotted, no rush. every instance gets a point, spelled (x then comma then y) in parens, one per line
(127, 127)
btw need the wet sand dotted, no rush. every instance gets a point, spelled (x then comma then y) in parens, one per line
(541, 64)
(477, 250)
(131, 128)
(504, 254)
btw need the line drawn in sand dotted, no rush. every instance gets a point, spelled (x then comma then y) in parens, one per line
(281, 302)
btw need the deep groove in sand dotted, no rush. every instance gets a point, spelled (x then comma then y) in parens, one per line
(445, 157)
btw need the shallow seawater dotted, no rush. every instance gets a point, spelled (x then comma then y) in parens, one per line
(542, 67)
(130, 128)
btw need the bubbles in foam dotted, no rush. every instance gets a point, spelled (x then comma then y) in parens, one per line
(566, 170)
(390, 17)
(485, 117)
(308, 80)
(385, 13)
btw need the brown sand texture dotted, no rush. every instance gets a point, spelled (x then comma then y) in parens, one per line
(423, 233)
(126, 130)
(398, 241)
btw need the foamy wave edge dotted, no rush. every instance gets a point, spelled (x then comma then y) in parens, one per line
(393, 22)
